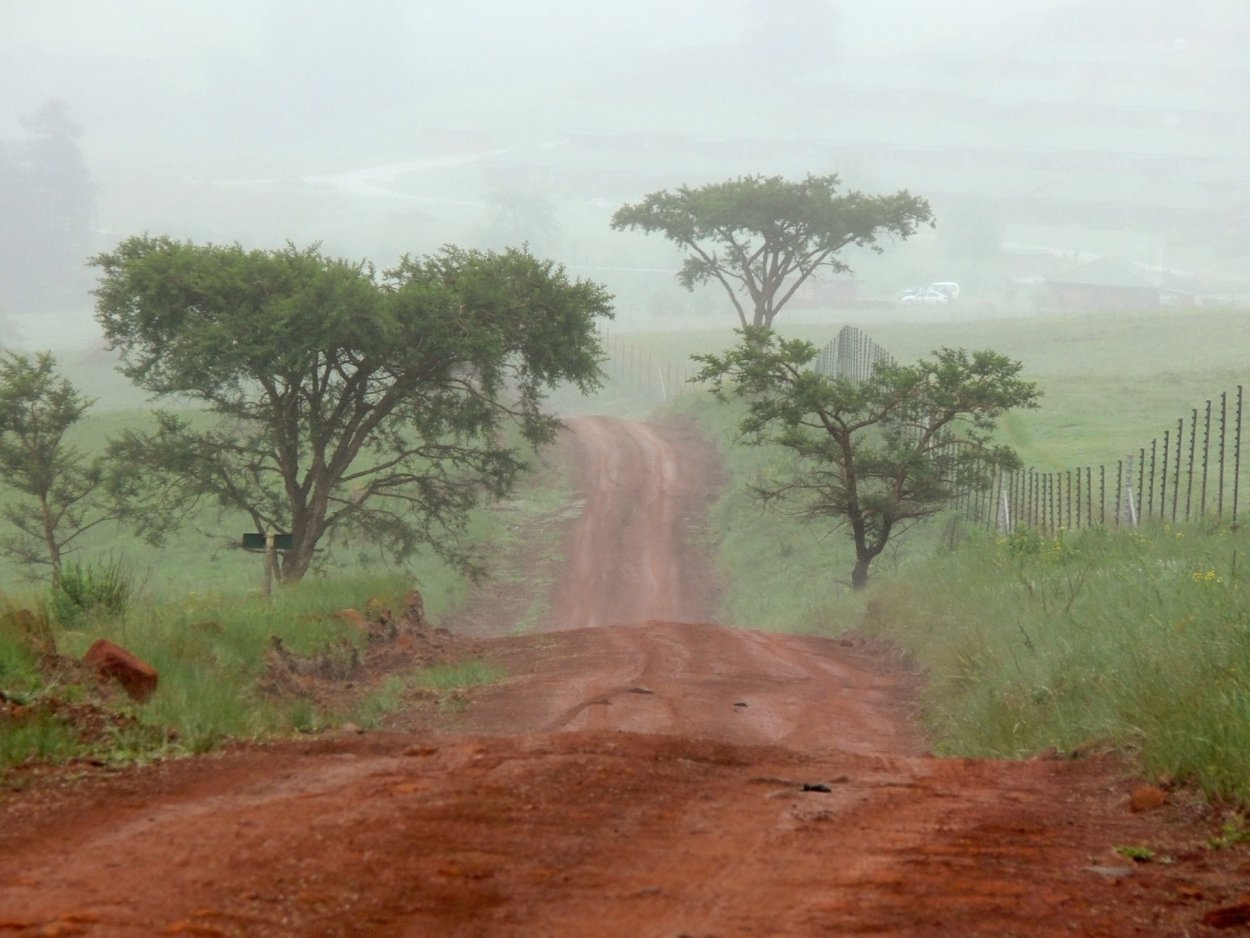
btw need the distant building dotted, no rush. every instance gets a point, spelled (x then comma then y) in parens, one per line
(1102, 284)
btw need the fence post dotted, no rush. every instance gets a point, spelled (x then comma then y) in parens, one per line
(1089, 497)
(1056, 505)
(1150, 501)
(1189, 483)
(1126, 488)
(1163, 478)
(1206, 458)
(1219, 512)
(1077, 525)
(1176, 476)
(1034, 500)
(1237, 457)
(1004, 505)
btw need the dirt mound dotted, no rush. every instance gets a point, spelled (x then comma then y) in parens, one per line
(388, 643)
(91, 722)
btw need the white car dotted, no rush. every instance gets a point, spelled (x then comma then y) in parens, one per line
(926, 296)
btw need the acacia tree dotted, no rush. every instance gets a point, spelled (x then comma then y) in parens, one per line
(761, 238)
(347, 403)
(875, 456)
(61, 494)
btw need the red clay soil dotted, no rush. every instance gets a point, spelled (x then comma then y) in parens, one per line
(640, 772)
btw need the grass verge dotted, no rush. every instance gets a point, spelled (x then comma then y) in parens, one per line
(1137, 639)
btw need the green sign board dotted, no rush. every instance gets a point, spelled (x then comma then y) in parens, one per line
(253, 541)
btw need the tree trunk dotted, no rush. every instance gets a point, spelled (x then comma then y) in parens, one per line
(859, 576)
(295, 563)
(49, 535)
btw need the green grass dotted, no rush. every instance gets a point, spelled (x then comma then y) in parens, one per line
(1112, 381)
(444, 680)
(460, 675)
(211, 653)
(211, 649)
(1137, 639)
(41, 737)
(209, 640)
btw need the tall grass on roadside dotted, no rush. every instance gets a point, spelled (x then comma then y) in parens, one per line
(40, 736)
(443, 680)
(100, 590)
(210, 651)
(1137, 639)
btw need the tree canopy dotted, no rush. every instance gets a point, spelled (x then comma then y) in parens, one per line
(347, 402)
(877, 455)
(762, 237)
(61, 494)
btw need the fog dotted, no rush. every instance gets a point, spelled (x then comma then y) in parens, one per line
(1047, 134)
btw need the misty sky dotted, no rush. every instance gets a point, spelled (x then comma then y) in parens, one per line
(237, 119)
(249, 79)
(104, 54)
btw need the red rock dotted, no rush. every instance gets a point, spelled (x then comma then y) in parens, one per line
(112, 662)
(1147, 798)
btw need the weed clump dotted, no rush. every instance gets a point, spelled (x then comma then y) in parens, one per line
(91, 592)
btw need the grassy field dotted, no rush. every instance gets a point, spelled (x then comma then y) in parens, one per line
(1134, 639)
(1112, 381)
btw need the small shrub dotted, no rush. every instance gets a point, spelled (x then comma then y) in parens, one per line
(40, 736)
(456, 676)
(91, 591)
(1232, 833)
(23, 631)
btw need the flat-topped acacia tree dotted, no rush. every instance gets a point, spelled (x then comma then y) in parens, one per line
(762, 237)
(346, 403)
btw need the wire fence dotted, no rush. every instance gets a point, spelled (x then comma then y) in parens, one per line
(851, 355)
(1192, 472)
(646, 375)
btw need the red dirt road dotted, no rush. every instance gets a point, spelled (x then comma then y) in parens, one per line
(662, 777)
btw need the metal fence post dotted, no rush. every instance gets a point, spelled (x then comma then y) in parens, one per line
(1206, 459)
(1237, 457)
(1219, 512)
